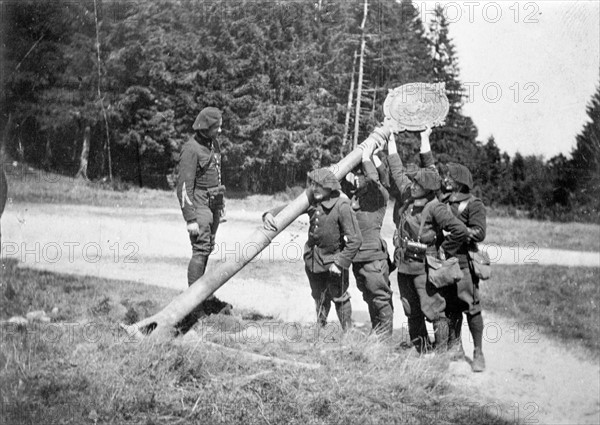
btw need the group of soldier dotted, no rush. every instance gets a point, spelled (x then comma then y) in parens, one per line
(434, 215)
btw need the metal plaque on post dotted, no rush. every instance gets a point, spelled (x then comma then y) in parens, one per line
(415, 106)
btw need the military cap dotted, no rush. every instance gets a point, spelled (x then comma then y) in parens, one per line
(207, 118)
(428, 179)
(326, 178)
(460, 174)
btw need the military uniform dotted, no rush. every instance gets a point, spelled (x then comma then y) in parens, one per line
(333, 238)
(422, 220)
(470, 211)
(464, 296)
(370, 266)
(200, 195)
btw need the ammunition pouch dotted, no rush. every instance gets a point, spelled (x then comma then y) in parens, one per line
(441, 273)
(481, 264)
(216, 199)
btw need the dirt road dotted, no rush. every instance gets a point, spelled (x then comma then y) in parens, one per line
(530, 376)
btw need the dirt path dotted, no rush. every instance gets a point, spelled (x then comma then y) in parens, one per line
(529, 376)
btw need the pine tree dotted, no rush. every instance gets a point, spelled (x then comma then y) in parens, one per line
(585, 162)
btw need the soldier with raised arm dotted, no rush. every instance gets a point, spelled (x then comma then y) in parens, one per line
(421, 220)
(370, 266)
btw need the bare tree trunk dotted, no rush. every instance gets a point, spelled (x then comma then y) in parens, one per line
(162, 324)
(349, 107)
(47, 163)
(5, 137)
(85, 153)
(107, 146)
(360, 75)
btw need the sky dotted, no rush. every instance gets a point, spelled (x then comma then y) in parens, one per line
(530, 69)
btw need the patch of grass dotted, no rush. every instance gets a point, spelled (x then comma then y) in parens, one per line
(559, 301)
(94, 374)
(26, 184)
(508, 231)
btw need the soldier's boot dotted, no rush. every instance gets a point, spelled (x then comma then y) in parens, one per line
(196, 267)
(211, 305)
(476, 327)
(344, 313)
(322, 308)
(441, 331)
(384, 323)
(478, 364)
(417, 331)
(454, 336)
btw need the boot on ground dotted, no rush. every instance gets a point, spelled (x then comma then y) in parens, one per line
(478, 364)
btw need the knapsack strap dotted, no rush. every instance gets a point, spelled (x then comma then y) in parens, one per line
(464, 204)
(424, 215)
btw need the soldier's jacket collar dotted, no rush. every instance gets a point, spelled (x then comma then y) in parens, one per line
(203, 139)
(459, 197)
(329, 203)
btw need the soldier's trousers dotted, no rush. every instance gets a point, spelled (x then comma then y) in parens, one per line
(420, 300)
(326, 288)
(203, 243)
(464, 296)
(372, 279)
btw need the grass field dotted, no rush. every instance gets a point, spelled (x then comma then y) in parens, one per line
(81, 369)
(29, 185)
(560, 301)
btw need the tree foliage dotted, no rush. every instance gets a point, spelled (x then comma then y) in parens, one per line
(279, 70)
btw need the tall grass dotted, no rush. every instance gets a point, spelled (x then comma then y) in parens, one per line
(81, 369)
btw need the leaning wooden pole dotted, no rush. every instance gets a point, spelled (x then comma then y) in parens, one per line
(162, 324)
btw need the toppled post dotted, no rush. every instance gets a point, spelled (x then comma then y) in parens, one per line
(162, 324)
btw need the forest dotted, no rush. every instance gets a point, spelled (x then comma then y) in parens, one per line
(108, 91)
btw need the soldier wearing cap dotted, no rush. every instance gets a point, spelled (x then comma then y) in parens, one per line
(369, 200)
(421, 220)
(200, 192)
(464, 296)
(334, 239)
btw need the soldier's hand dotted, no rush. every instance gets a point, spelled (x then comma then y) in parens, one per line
(367, 150)
(193, 228)
(474, 233)
(426, 132)
(269, 222)
(335, 270)
(392, 148)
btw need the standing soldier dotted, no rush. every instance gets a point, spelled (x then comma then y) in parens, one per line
(370, 266)
(464, 296)
(421, 219)
(200, 195)
(333, 240)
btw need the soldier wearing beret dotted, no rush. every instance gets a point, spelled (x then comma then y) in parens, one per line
(370, 266)
(422, 218)
(200, 194)
(464, 296)
(334, 239)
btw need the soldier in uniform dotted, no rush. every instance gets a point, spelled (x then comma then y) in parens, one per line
(370, 266)
(464, 296)
(334, 239)
(200, 195)
(421, 219)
